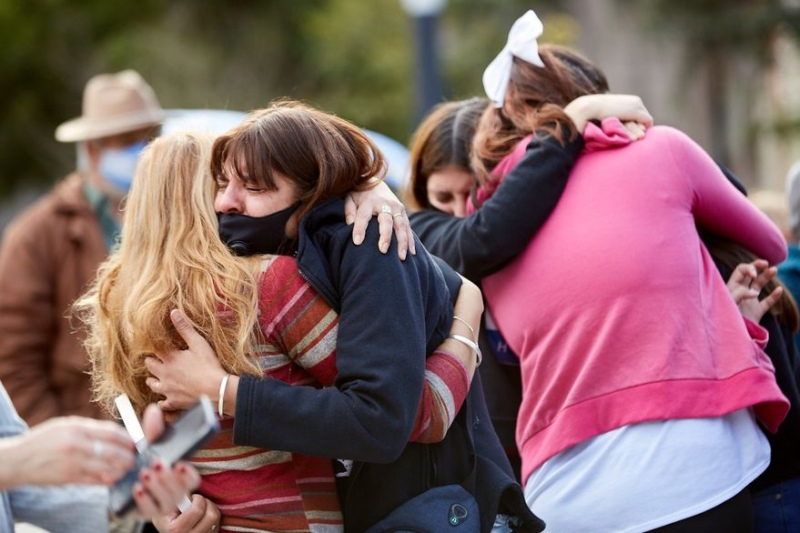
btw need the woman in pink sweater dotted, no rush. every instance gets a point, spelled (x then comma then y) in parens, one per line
(642, 382)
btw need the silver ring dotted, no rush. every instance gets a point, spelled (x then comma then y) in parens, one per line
(97, 448)
(398, 214)
(214, 527)
(385, 209)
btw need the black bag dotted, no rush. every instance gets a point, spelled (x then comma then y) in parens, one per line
(450, 507)
(446, 508)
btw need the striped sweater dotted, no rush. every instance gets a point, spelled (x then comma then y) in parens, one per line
(267, 490)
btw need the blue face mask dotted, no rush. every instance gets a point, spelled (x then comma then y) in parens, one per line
(118, 165)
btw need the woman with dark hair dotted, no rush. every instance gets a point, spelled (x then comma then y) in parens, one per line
(641, 380)
(441, 177)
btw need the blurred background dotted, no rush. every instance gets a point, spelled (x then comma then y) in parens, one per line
(727, 72)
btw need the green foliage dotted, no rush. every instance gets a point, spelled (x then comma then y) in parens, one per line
(47, 58)
(351, 57)
(741, 26)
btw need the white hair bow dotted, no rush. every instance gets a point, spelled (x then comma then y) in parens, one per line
(522, 44)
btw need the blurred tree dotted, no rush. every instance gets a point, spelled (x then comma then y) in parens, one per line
(47, 57)
(718, 34)
(350, 57)
(358, 60)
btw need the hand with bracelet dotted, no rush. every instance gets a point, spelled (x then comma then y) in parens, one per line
(182, 376)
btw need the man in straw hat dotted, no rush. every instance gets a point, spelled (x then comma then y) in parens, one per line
(50, 252)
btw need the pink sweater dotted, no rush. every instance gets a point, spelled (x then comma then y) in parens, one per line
(616, 309)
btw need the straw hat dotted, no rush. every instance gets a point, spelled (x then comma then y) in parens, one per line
(113, 104)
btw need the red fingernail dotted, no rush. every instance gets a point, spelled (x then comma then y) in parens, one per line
(182, 469)
(146, 476)
(158, 466)
(139, 492)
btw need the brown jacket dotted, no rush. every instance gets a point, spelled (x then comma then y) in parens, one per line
(48, 256)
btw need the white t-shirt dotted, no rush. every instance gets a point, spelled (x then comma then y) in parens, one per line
(643, 476)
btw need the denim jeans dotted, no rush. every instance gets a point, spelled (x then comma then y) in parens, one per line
(776, 509)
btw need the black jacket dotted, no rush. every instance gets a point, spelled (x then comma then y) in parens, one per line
(388, 309)
(484, 242)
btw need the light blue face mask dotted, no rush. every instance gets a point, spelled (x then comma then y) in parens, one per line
(118, 165)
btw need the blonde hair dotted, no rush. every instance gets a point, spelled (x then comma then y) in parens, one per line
(170, 257)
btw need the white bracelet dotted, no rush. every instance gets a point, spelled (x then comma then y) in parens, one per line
(472, 344)
(222, 387)
(471, 329)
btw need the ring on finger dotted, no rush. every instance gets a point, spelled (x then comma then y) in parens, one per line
(97, 448)
(386, 209)
(398, 214)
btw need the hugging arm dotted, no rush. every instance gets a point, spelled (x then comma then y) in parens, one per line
(483, 242)
(303, 326)
(361, 206)
(381, 350)
(449, 371)
(718, 207)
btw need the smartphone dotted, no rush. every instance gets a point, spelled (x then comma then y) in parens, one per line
(180, 440)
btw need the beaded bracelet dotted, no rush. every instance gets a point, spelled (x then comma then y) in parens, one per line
(470, 343)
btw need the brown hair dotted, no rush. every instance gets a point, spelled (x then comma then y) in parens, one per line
(443, 139)
(322, 155)
(535, 101)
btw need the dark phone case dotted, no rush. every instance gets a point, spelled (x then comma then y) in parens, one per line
(180, 440)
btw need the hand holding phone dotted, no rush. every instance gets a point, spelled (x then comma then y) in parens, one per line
(180, 440)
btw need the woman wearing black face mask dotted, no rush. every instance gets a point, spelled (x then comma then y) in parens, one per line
(246, 235)
(380, 365)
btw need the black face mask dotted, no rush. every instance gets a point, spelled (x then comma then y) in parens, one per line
(246, 235)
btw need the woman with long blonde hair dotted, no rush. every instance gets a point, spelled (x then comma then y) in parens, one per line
(169, 257)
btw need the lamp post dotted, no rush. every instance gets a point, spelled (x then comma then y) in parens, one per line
(428, 78)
